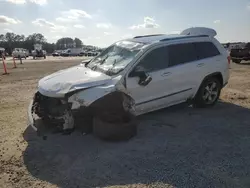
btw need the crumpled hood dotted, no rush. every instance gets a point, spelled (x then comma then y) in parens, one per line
(71, 79)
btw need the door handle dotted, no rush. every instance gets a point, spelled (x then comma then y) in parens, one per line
(200, 65)
(166, 74)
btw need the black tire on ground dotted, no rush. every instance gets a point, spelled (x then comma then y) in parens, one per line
(209, 89)
(45, 57)
(114, 131)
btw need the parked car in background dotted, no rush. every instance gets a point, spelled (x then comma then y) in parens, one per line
(137, 76)
(2, 53)
(240, 53)
(81, 54)
(91, 53)
(19, 53)
(56, 53)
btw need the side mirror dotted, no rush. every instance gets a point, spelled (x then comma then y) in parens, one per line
(144, 79)
(85, 61)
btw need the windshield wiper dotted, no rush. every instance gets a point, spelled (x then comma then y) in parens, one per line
(103, 60)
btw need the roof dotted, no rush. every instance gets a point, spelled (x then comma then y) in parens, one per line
(148, 39)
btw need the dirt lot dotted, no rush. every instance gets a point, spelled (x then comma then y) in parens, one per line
(176, 147)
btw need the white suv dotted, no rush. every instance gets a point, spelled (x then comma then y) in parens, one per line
(150, 72)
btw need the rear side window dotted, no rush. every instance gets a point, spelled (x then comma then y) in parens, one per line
(155, 60)
(206, 50)
(181, 53)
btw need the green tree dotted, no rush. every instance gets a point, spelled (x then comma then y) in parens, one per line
(64, 43)
(78, 43)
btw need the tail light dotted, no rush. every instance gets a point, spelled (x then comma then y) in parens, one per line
(228, 59)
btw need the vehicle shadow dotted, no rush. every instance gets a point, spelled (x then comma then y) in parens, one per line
(179, 146)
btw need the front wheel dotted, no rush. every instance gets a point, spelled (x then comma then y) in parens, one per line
(208, 93)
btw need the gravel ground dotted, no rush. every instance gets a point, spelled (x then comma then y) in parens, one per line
(175, 147)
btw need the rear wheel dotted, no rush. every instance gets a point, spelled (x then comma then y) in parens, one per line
(208, 93)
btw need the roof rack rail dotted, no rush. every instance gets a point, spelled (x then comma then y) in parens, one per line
(148, 36)
(184, 37)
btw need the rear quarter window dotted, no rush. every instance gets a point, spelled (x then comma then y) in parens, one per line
(206, 50)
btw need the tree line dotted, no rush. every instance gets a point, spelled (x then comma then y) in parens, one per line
(9, 41)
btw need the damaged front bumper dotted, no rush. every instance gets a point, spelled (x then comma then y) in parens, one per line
(51, 113)
(59, 114)
(31, 121)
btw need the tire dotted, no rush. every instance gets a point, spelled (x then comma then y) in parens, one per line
(114, 131)
(208, 93)
(44, 57)
(34, 57)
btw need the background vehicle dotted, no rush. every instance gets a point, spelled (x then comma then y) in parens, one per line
(72, 52)
(240, 52)
(19, 53)
(38, 51)
(91, 53)
(56, 53)
(81, 54)
(2, 53)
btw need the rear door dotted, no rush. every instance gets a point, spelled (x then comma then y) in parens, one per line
(210, 59)
(185, 70)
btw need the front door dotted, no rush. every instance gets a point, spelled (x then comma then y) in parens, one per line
(153, 64)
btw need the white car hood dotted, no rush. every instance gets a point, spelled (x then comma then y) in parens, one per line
(71, 79)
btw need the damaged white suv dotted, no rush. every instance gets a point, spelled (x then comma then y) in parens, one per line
(135, 76)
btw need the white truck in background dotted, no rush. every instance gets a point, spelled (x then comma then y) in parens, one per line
(38, 51)
(72, 52)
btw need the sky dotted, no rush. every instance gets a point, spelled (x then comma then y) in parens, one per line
(102, 22)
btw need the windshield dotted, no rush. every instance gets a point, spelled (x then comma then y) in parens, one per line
(116, 57)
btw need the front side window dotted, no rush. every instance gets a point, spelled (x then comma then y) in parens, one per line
(181, 53)
(116, 57)
(155, 60)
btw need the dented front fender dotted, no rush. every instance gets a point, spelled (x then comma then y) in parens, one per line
(88, 96)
